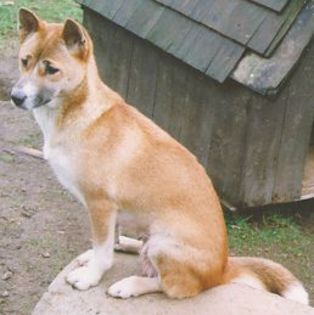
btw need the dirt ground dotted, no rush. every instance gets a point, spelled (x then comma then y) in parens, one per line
(41, 226)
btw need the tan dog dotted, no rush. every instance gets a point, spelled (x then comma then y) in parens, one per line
(119, 164)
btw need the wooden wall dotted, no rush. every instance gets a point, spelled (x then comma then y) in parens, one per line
(253, 147)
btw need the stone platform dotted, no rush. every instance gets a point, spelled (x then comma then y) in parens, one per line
(61, 299)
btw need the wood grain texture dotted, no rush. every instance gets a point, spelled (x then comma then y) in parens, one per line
(276, 5)
(142, 77)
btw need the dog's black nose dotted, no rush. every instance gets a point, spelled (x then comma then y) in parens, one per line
(18, 97)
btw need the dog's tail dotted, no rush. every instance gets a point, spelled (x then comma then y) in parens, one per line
(265, 274)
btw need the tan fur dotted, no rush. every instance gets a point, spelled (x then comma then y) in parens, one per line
(120, 160)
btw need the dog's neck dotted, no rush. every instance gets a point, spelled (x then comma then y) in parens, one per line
(77, 110)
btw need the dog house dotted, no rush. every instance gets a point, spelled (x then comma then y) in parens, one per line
(232, 80)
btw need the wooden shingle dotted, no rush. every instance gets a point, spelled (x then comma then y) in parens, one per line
(210, 35)
(276, 5)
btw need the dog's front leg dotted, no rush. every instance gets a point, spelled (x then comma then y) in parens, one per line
(96, 261)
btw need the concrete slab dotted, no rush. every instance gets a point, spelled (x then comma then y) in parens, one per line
(61, 299)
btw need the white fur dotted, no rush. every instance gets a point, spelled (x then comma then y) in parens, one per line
(64, 167)
(93, 264)
(134, 286)
(30, 90)
(296, 292)
(45, 117)
(61, 161)
(250, 281)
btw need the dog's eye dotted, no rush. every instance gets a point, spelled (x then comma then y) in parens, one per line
(51, 70)
(24, 62)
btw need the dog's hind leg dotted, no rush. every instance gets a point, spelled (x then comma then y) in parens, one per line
(184, 270)
(134, 286)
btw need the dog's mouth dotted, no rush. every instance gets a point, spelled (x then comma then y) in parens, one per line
(42, 103)
(30, 105)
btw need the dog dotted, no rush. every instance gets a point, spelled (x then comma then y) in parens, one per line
(123, 167)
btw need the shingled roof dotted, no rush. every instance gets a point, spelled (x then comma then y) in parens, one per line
(219, 36)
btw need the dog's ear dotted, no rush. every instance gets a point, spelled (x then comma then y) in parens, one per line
(28, 23)
(75, 38)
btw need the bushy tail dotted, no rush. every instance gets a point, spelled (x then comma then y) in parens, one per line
(265, 274)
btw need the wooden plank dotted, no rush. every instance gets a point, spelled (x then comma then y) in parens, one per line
(144, 18)
(274, 28)
(289, 17)
(143, 77)
(107, 8)
(276, 5)
(113, 50)
(202, 49)
(197, 122)
(227, 143)
(225, 60)
(170, 96)
(186, 6)
(170, 30)
(125, 12)
(265, 121)
(162, 110)
(92, 21)
(236, 120)
(308, 179)
(296, 132)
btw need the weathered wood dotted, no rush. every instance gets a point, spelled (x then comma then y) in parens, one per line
(197, 124)
(224, 61)
(113, 53)
(288, 17)
(26, 151)
(144, 18)
(170, 96)
(296, 132)
(243, 21)
(142, 77)
(265, 121)
(166, 33)
(236, 19)
(308, 179)
(174, 33)
(110, 7)
(276, 5)
(126, 11)
(236, 122)
(266, 75)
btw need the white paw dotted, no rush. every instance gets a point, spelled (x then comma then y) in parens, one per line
(84, 277)
(85, 258)
(134, 286)
(124, 288)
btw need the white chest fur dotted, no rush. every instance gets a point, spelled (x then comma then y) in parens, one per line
(60, 157)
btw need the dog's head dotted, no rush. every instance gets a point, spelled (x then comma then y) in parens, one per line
(52, 61)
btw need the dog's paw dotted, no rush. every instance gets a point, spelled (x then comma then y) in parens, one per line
(134, 286)
(84, 277)
(85, 258)
(124, 288)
